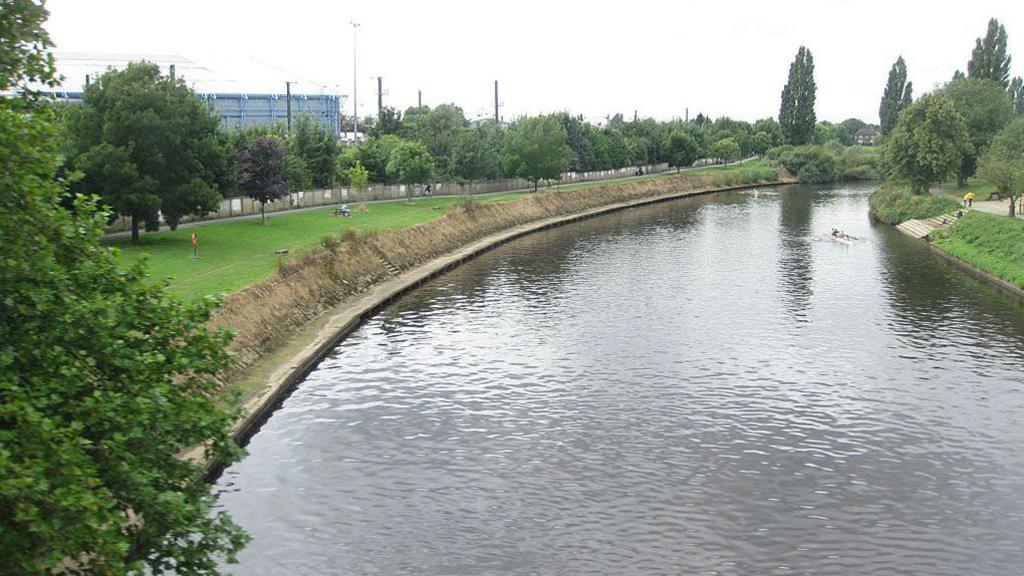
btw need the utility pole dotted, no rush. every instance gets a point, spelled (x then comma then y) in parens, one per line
(288, 103)
(497, 120)
(355, 88)
(380, 97)
(419, 98)
(687, 113)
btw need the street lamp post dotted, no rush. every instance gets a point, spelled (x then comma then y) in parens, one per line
(355, 88)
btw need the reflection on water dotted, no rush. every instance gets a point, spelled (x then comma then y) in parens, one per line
(702, 386)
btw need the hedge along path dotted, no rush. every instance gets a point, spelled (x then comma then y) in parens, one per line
(380, 267)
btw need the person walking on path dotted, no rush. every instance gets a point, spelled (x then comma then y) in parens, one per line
(968, 199)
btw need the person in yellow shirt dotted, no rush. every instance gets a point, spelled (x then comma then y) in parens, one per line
(969, 199)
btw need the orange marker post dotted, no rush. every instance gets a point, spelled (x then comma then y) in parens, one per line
(195, 245)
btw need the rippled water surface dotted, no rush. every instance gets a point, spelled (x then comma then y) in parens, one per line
(705, 386)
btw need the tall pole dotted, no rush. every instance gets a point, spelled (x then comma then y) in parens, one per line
(380, 97)
(496, 119)
(288, 104)
(355, 87)
(419, 98)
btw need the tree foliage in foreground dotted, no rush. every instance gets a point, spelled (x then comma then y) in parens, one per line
(23, 44)
(104, 380)
(1003, 163)
(796, 115)
(536, 149)
(898, 94)
(928, 144)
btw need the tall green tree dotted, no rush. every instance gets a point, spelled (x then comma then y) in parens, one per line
(770, 126)
(1003, 163)
(477, 154)
(683, 149)
(725, 149)
(536, 149)
(317, 147)
(898, 94)
(389, 121)
(987, 108)
(145, 144)
(104, 378)
(1017, 94)
(796, 115)
(411, 164)
(989, 59)
(261, 172)
(439, 129)
(928, 144)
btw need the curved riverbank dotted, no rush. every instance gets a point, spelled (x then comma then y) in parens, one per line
(287, 324)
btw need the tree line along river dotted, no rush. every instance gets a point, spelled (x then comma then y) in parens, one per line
(704, 386)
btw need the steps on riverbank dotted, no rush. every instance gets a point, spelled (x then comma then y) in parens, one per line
(923, 228)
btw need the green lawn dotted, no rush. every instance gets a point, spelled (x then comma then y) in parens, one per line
(993, 243)
(234, 254)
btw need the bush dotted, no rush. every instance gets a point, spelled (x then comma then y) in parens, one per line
(895, 206)
(829, 162)
(818, 169)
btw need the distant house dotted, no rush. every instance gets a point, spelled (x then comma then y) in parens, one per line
(866, 136)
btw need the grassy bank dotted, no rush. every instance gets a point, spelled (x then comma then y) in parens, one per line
(235, 254)
(266, 313)
(994, 244)
(893, 205)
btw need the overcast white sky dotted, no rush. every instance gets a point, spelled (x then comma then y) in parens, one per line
(720, 57)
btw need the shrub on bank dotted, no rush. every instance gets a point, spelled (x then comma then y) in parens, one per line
(893, 206)
(991, 243)
(831, 162)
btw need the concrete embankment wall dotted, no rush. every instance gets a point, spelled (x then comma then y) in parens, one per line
(244, 206)
(351, 280)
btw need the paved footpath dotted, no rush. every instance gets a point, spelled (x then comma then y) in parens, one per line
(1000, 207)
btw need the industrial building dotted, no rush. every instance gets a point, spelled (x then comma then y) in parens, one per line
(260, 99)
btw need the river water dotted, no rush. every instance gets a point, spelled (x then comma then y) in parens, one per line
(705, 386)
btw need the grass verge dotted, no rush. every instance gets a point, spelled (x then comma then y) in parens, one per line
(994, 244)
(235, 254)
(895, 205)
